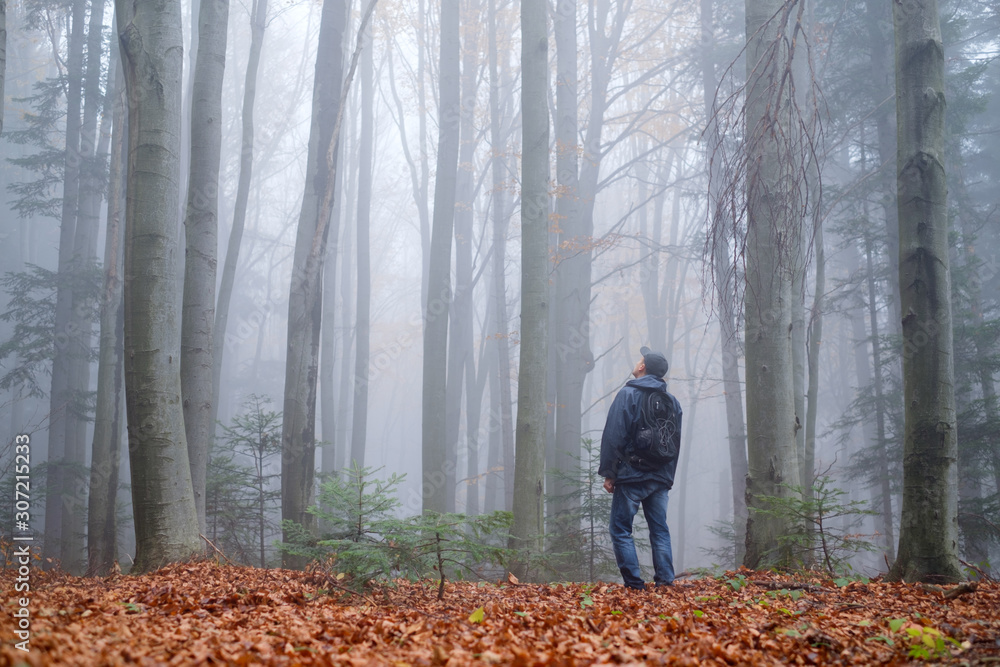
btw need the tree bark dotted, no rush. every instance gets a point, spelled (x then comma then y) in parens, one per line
(461, 355)
(499, 488)
(439, 293)
(298, 436)
(885, 484)
(772, 215)
(3, 56)
(529, 464)
(258, 23)
(815, 341)
(102, 518)
(362, 324)
(166, 522)
(725, 289)
(928, 536)
(201, 224)
(91, 159)
(62, 421)
(573, 356)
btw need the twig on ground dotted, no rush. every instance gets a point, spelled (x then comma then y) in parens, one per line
(215, 548)
(952, 593)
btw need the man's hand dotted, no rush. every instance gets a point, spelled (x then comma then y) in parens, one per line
(609, 485)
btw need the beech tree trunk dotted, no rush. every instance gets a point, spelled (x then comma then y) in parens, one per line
(435, 486)
(62, 420)
(201, 224)
(258, 23)
(885, 484)
(166, 522)
(3, 56)
(529, 464)
(298, 434)
(499, 487)
(461, 356)
(772, 215)
(725, 290)
(359, 430)
(91, 157)
(102, 518)
(928, 535)
(573, 356)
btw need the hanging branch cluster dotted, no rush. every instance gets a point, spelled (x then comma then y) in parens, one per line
(783, 83)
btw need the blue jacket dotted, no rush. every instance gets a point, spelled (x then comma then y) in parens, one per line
(623, 417)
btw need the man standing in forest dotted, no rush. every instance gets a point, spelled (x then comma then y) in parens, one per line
(639, 450)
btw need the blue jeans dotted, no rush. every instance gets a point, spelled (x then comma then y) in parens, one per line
(624, 504)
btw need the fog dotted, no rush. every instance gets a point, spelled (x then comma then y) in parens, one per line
(645, 207)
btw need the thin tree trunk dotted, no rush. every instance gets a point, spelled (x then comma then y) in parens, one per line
(880, 407)
(344, 393)
(573, 356)
(725, 290)
(298, 437)
(329, 415)
(862, 361)
(166, 522)
(102, 521)
(499, 489)
(880, 36)
(3, 56)
(258, 23)
(93, 148)
(529, 465)
(815, 341)
(421, 191)
(362, 324)
(62, 421)
(928, 536)
(439, 291)
(201, 224)
(461, 356)
(653, 292)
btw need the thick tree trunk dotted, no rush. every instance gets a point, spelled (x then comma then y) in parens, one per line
(529, 464)
(166, 522)
(439, 292)
(772, 216)
(725, 289)
(102, 519)
(201, 224)
(362, 325)
(298, 436)
(928, 537)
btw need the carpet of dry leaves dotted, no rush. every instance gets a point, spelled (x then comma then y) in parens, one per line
(204, 613)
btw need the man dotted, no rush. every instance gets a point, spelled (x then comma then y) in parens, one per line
(633, 481)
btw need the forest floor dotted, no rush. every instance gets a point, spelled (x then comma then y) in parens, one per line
(204, 613)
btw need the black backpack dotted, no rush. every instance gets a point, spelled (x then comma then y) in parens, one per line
(657, 438)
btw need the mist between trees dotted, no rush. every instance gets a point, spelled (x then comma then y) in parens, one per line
(444, 231)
